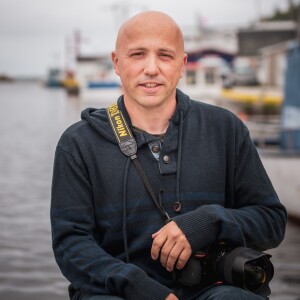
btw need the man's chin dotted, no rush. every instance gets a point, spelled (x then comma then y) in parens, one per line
(158, 104)
(151, 101)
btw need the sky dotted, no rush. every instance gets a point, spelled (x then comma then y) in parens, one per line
(34, 34)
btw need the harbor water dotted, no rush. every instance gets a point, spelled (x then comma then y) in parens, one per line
(32, 118)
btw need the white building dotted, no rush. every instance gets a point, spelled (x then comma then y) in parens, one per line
(272, 65)
(211, 52)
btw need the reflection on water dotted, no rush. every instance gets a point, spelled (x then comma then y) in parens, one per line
(32, 119)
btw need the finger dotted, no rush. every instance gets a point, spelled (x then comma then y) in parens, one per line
(157, 244)
(154, 235)
(171, 297)
(178, 254)
(173, 257)
(164, 228)
(165, 251)
(183, 258)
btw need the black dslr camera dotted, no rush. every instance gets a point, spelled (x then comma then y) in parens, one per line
(243, 267)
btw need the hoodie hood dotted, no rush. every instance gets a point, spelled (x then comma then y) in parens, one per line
(98, 119)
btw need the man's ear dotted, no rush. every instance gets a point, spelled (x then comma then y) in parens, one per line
(115, 60)
(184, 62)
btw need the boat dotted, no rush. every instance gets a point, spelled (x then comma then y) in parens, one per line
(97, 79)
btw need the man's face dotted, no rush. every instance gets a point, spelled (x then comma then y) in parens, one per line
(149, 59)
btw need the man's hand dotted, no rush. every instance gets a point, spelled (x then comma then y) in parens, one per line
(171, 245)
(172, 297)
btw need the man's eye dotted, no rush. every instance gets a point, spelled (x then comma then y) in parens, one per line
(137, 54)
(166, 55)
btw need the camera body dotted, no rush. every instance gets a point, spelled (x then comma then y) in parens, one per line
(243, 267)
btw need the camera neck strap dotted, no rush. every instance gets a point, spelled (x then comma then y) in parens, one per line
(128, 146)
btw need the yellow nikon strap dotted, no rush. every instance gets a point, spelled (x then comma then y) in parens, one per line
(121, 130)
(128, 146)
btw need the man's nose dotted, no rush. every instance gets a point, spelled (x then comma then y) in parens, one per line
(151, 66)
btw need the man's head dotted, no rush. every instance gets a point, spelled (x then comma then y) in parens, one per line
(149, 58)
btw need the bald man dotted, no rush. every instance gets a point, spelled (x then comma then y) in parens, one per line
(123, 222)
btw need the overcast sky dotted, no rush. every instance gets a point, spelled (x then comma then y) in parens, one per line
(33, 32)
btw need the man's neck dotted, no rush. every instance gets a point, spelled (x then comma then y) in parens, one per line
(154, 120)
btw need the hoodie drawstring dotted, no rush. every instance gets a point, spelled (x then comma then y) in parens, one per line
(125, 238)
(177, 204)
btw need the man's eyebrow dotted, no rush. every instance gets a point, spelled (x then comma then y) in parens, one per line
(167, 50)
(137, 49)
(145, 49)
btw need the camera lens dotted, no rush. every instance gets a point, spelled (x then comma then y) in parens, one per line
(255, 276)
(247, 268)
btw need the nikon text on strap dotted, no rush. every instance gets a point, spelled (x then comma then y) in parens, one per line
(128, 146)
(121, 130)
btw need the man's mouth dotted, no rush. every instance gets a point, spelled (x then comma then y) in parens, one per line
(150, 85)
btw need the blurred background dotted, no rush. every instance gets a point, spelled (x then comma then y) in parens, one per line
(55, 61)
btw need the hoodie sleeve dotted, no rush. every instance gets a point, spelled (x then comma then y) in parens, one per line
(256, 218)
(82, 261)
